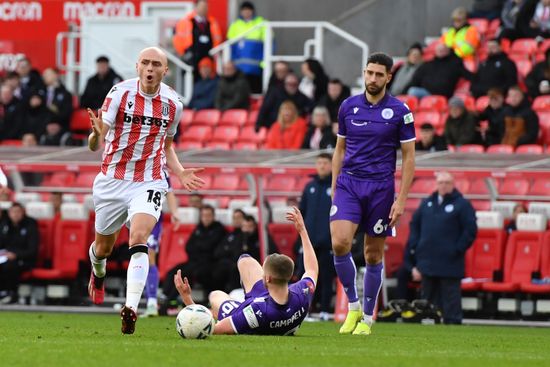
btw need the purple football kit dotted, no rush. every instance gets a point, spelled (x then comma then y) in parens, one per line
(260, 314)
(365, 191)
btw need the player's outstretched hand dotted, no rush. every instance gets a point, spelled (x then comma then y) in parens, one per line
(183, 287)
(189, 180)
(396, 211)
(296, 217)
(96, 121)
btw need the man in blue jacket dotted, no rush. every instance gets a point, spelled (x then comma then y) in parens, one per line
(442, 229)
(315, 207)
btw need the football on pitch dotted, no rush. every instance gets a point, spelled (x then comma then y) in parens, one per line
(195, 322)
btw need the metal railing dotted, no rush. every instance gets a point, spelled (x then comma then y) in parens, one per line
(223, 51)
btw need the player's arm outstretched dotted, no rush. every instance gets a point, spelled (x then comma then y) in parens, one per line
(99, 131)
(184, 289)
(188, 178)
(310, 260)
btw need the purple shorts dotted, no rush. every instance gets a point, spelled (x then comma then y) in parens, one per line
(227, 308)
(154, 238)
(364, 202)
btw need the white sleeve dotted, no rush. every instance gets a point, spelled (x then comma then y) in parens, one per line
(177, 117)
(109, 109)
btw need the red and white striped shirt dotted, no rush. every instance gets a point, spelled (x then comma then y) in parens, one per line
(139, 124)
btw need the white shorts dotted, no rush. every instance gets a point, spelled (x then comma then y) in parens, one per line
(116, 201)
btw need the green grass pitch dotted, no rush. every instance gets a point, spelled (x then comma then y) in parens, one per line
(47, 339)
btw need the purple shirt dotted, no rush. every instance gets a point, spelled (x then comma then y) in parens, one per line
(373, 134)
(262, 315)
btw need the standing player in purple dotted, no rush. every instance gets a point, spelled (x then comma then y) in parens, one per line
(371, 127)
(271, 305)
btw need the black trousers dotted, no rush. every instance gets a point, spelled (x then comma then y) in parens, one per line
(402, 291)
(444, 293)
(225, 275)
(325, 283)
(196, 273)
(9, 276)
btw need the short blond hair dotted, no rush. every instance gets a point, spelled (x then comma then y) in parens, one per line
(280, 267)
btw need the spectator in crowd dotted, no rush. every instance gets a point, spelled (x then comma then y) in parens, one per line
(496, 71)
(205, 88)
(248, 54)
(403, 74)
(29, 78)
(37, 116)
(270, 107)
(521, 123)
(538, 80)
(488, 9)
(29, 140)
(233, 89)
(243, 239)
(195, 35)
(30, 178)
(14, 81)
(288, 131)
(513, 19)
(200, 248)
(55, 136)
(540, 23)
(195, 201)
(56, 198)
(314, 80)
(319, 134)
(440, 75)
(11, 124)
(511, 226)
(315, 207)
(99, 84)
(494, 114)
(442, 229)
(429, 140)
(19, 240)
(58, 100)
(336, 93)
(277, 79)
(462, 37)
(461, 127)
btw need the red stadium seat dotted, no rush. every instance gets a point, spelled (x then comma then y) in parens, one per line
(542, 103)
(522, 257)
(85, 179)
(12, 142)
(437, 103)
(218, 145)
(433, 117)
(245, 145)
(226, 181)
(46, 229)
(302, 182)
(529, 287)
(284, 235)
(470, 65)
(462, 87)
(481, 24)
(280, 183)
(481, 204)
(410, 101)
(187, 117)
(172, 252)
(251, 119)
(494, 26)
(524, 46)
(256, 102)
(188, 145)
(423, 186)
(208, 117)
(59, 179)
(80, 120)
(541, 187)
(500, 149)
(462, 185)
(529, 149)
(395, 246)
(482, 103)
(226, 134)
(236, 117)
(471, 148)
(514, 186)
(484, 257)
(198, 133)
(524, 67)
(469, 102)
(249, 135)
(478, 186)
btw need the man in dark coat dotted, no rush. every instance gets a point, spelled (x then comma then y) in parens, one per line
(18, 249)
(315, 207)
(521, 123)
(99, 84)
(442, 229)
(233, 89)
(497, 71)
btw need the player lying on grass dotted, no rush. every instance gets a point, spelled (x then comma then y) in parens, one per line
(271, 305)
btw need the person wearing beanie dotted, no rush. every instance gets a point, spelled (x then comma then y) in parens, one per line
(204, 90)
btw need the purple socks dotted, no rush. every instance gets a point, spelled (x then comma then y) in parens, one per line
(345, 268)
(372, 284)
(152, 284)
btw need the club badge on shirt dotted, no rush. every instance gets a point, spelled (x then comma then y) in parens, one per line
(387, 113)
